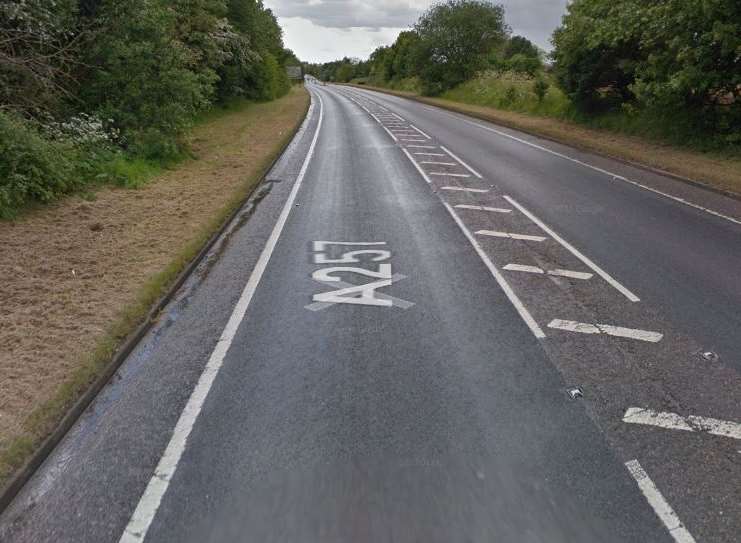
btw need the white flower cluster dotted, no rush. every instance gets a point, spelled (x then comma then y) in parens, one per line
(84, 129)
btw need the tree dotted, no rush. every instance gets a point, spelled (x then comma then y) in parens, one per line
(519, 45)
(455, 38)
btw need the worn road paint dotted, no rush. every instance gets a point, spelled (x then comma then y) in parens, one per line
(146, 509)
(609, 329)
(558, 273)
(483, 208)
(438, 163)
(418, 167)
(448, 174)
(495, 234)
(429, 154)
(690, 423)
(418, 130)
(464, 189)
(395, 302)
(602, 273)
(659, 504)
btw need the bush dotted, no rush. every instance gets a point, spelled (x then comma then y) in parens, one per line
(540, 88)
(32, 168)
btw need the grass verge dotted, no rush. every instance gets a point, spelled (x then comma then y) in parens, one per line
(718, 171)
(130, 246)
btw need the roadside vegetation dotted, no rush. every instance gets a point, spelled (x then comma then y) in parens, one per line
(668, 71)
(104, 91)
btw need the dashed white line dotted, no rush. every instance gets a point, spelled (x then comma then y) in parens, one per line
(448, 174)
(483, 208)
(559, 273)
(690, 423)
(510, 235)
(609, 329)
(602, 273)
(146, 509)
(469, 168)
(464, 189)
(503, 284)
(659, 504)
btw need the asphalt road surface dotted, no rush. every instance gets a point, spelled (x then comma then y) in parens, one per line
(425, 327)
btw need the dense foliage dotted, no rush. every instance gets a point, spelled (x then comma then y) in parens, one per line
(138, 71)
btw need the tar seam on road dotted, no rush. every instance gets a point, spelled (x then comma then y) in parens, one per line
(142, 518)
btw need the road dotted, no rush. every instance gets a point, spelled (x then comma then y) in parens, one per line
(425, 327)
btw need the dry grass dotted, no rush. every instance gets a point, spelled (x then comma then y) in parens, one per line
(80, 275)
(719, 172)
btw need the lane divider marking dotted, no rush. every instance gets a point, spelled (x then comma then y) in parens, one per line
(438, 163)
(464, 189)
(418, 130)
(557, 272)
(609, 329)
(390, 133)
(602, 273)
(428, 154)
(448, 174)
(690, 423)
(146, 509)
(419, 168)
(469, 168)
(659, 504)
(495, 234)
(422, 147)
(483, 208)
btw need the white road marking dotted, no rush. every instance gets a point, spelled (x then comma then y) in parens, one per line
(419, 169)
(690, 423)
(414, 140)
(495, 234)
(438, 163)
(602, 273)
(423, 147)
(614, 176)
(514, 300)
(398, 117)
(146, 509)
(469, 168)
(609, 329)
(464, 189)
(395, 302)
(558, 273)
(483, 208)
(389, 133)
(418, 130)
(659, 504)
(448, 174)
(428, 154)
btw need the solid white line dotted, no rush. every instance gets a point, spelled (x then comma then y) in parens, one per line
(389, 133)
(609, 329)
(570, 274)
(614, 176)
(398, 117)
(420, 170)
(514, 300)
(418, 130)
(523, 268)
(690, 423)
(559, 273)
(495, 234)
(464, 189)
(141, 519)
(483, 208)
(659, 504)
(448, 174)
(469, 168)
(602, 273)
(438, 163)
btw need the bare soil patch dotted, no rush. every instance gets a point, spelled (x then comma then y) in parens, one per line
(78, 275)
(719, 172)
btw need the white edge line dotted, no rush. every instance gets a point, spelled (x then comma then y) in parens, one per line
(659, 504)
(146, 509)
(605, 172)
(602, 273)
(469, 168)
(389, 133)
(419, 169)
(514, 300)
(418, 130)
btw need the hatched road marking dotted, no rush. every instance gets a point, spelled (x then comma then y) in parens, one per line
(609, 329)
(690, 423)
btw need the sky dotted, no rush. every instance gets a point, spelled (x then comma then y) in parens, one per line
(323, 30)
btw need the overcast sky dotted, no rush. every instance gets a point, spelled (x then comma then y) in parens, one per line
(322, 30)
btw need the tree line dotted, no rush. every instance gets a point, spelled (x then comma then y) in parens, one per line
(675, 61)
(83, 81)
